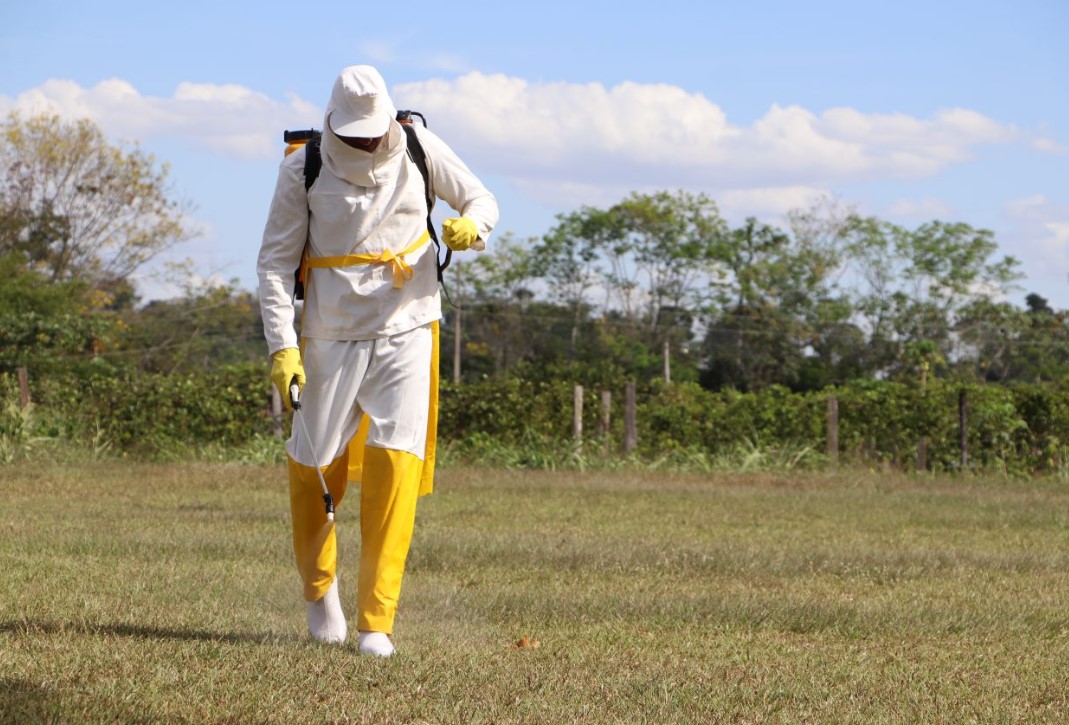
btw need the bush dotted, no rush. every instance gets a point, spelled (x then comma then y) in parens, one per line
(528, 422)
(149, 415)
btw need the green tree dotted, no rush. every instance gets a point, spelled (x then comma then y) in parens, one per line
(917, 285)
(1013, 345)
(79, 207)
(641, 268)
(669, 252)
(209, 326)
(45, 326)
(494, 292)
(779, 307)
(570, 259)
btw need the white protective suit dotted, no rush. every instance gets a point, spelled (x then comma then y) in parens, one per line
(369, 341)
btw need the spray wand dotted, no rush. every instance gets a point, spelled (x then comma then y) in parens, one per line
(295, 400)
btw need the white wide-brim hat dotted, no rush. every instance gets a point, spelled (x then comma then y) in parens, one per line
(360, 105)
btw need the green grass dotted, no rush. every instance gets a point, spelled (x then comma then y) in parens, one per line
(166, 593)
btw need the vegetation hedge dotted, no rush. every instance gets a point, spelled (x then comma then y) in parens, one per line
(1018, 429)
(141, 414)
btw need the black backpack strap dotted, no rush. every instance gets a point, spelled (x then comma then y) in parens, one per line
(313, 163)
(313, 160)
(419, 158)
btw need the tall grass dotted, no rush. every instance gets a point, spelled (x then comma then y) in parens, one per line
(479, 450)
(166, 593)
(602, 454)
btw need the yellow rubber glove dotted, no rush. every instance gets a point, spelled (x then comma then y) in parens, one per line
(459, 233)
(285, 366)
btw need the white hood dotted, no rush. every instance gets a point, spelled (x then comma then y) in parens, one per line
(361, 168)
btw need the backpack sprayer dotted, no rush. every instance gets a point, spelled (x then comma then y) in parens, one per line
(295, 139)
(313, 162)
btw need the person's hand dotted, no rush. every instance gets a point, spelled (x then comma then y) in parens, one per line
(459, 233)
(285, 366)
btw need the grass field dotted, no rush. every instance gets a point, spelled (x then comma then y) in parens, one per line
(141, 593)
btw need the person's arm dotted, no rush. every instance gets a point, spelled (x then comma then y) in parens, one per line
(455, 184)
(280, 253)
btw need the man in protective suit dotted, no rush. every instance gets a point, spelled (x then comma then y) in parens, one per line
(368, 355)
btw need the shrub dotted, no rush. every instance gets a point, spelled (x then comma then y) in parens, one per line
(528, 422)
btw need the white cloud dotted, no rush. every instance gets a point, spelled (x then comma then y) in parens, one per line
(393, 50)
(571, 143)
(1040, 237)
(379, 51)
(635, 136)
(1049, 146)
(570, 195)
(230, 120)
(1058, 236)
(902, 145)
(769, 204)
(1035, 208)
(927, 208)
(447, 63)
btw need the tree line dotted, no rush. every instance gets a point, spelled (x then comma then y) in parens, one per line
(831, 297)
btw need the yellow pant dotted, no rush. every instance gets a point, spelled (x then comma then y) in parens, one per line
(389, 487)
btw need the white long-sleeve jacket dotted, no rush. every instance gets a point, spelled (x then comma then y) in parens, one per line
(361, 204)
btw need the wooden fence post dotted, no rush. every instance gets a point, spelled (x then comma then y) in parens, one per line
(276, 411)
(963, 428)
(604, 423)
(458, 346)
(24, 387)
(833, 430)
(630, 423)
(577, 415)
(667, 363)
(606, 412)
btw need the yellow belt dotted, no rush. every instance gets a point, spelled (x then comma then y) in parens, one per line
(402, 272)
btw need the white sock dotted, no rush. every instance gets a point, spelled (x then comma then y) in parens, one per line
(326, 620)
(376, 643)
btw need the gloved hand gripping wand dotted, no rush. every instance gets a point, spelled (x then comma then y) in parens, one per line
(295, 400)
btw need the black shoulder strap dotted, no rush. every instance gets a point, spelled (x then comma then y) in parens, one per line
(313, 160)
(419, 158)
(313, 163)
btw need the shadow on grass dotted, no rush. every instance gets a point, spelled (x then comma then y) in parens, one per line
(25, 702)
(136, 631)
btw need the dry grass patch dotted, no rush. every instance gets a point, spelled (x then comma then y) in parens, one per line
(166, 593)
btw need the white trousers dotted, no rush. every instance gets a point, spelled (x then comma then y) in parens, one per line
(387, 379)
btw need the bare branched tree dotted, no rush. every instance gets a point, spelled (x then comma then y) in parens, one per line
(79, 207)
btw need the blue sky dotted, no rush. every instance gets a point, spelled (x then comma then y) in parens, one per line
(909, 111)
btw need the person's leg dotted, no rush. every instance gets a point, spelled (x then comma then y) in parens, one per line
(395, 398)
(388, 494)
(314, 541)
(330, 416)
